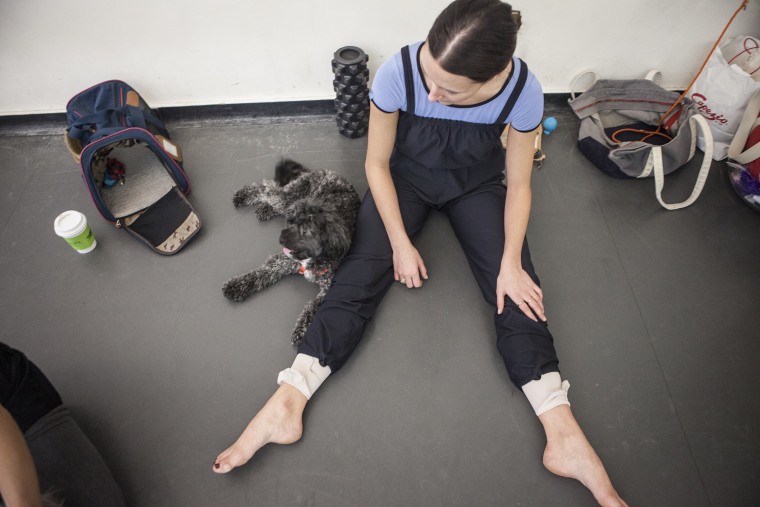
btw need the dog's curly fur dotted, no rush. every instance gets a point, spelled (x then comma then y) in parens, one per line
(320, 209)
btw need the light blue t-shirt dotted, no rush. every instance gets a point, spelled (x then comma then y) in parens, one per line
(388, 93)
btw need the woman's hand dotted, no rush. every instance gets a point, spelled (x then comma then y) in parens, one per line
(514, 282)
(408, 267)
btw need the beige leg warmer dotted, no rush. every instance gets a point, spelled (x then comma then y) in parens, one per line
(306, 375)
(547, 392)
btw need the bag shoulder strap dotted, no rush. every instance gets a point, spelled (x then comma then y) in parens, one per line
(696, 120)
(749, 119)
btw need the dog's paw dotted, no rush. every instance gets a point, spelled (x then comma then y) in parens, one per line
(241, 197)
(236, 290)
(297, 336)
(247, 196)
(302, 323)
(265, 211)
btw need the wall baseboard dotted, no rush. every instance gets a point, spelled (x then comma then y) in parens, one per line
(305, 111)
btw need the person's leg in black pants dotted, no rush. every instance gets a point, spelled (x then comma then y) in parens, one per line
(361, 281)
(526, 346)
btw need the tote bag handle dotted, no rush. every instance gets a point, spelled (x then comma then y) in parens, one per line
(749, 120)
(659, 175)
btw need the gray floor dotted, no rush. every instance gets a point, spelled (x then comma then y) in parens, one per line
(655, 315)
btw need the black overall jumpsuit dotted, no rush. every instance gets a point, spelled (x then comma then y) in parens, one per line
(456, 167)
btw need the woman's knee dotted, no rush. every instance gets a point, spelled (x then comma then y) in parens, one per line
(526, 346)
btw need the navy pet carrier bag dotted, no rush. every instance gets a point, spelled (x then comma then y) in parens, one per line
(130, 166)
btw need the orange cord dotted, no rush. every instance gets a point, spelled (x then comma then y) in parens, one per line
(657, 132)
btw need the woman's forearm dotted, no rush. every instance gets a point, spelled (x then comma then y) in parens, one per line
(382, 137)
(386, 200)
(516, 216)
(519, 159)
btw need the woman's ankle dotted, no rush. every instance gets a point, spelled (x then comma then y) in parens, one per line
(289, 398)
(558, 419)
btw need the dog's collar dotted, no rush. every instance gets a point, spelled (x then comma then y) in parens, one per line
(302, 270)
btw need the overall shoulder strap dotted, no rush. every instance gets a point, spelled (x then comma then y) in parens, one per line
(519, 85)
(408, 79)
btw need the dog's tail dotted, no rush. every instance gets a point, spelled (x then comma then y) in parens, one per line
(288, 170)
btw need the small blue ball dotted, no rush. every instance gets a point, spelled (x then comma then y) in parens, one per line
(550, 124)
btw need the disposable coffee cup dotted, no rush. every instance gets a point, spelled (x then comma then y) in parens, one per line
(72, 226)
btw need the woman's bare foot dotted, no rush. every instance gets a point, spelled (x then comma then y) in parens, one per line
(569, 454)
(278, 422)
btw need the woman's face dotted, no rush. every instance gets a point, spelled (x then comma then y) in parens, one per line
(446, 88)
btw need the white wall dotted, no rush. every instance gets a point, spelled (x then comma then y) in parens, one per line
(236, 51)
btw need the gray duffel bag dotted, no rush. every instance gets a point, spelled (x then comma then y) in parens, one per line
(624, 134)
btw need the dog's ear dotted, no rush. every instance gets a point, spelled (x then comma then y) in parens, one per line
(306, 211)
(288, 170)
(336, 238)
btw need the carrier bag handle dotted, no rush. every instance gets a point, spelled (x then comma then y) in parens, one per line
(749, 120)
(659, 176)
(76, 129)
(135, 117)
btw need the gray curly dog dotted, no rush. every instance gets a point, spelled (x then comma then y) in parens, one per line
(320, 210)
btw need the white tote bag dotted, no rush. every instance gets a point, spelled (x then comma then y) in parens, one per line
(723, 90)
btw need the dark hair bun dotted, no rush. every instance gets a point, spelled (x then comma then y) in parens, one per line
(518, 18)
